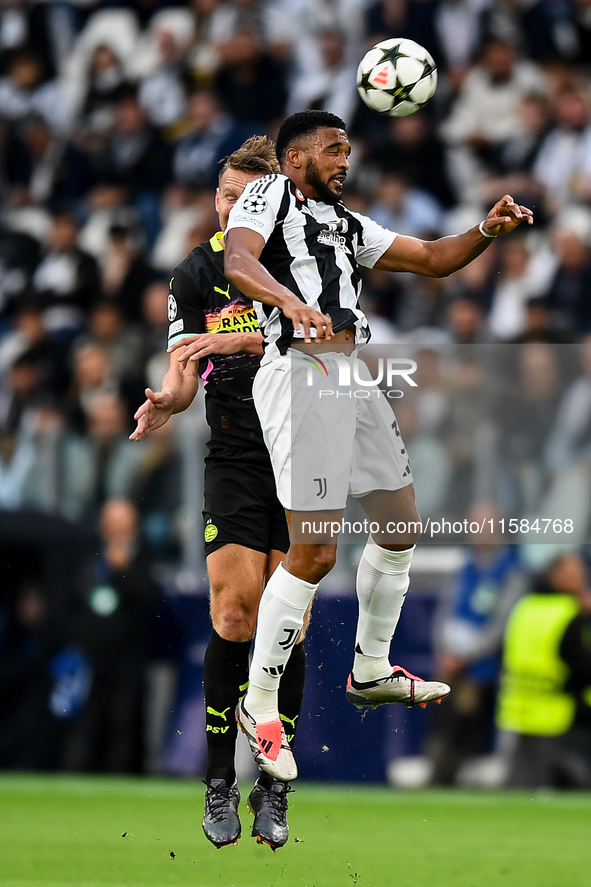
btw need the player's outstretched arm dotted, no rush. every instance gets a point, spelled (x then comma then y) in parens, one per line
(439, 258)
(179, 387)
(204, 344)
(243, 248)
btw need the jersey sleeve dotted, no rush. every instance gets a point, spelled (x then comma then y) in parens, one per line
(185, 310)
(259, 206)
(373, 241)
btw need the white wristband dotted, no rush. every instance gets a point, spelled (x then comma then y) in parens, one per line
(483, 232)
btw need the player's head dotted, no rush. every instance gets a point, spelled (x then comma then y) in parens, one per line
(252, 160)
(312, 148)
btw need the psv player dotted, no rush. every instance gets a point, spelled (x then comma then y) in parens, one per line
(213, 335)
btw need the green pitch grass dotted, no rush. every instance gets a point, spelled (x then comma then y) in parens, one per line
(93, 832)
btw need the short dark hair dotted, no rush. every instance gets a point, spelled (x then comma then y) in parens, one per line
(304, 123)
(256, 155)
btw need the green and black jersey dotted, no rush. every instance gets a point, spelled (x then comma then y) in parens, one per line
(201, 300)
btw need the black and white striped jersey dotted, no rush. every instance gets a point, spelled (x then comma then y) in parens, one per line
(313, 249)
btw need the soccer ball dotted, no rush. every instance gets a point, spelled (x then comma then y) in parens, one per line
(397, 77)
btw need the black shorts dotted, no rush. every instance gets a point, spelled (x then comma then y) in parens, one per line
(240, 501)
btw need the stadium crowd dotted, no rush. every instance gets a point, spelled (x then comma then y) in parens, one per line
(113, 120)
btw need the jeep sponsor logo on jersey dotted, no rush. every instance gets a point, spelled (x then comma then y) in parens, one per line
(331, 238)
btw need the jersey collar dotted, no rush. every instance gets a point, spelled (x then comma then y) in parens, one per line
(217, 242)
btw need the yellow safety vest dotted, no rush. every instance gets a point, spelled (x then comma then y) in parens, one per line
(532, 700)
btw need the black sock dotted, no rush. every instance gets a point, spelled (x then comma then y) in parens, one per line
(225, 676)
(290, 696)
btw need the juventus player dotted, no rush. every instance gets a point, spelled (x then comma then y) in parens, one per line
(294, 247)
(214, 335)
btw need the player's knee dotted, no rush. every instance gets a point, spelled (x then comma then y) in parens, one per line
(322, 561)
(234, 620)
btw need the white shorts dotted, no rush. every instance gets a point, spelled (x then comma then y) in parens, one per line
(328, 434)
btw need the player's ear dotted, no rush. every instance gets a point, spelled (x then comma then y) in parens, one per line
(294, 157)
(217, 200)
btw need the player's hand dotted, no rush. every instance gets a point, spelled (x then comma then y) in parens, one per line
(304, 318)
(204, 344)
(506, 215)
(153, 413)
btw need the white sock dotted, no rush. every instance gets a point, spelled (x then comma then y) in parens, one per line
(281, 616)
(382, 583)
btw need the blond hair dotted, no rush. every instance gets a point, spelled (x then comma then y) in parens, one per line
(256, 155)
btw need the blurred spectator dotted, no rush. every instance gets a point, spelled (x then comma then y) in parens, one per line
(545, 695)
(183, 210)
(538, 325)
(332, 85)
(486, 113)
(459, 26)
(22, 393)
(22, 91)
(386, 18)
(467, 431)
(17, 469)
(465, 321)
(105, 207)
(101, 464)
(28, 735)
(251, 84)
(431, 464)
(525, 418)
(67, 278)
(45, 168)
(30, 338)
(563, 157)
(568, 291)
(469, 635)
(126, 272)
(111, 624)
(92, 376)
(157, 491)
(521, 278)
(210, 136)
(122, 343)
(519, 154)
(163, 94)
(411, 149)
(300, 24)
(136, 157)
(19, 256)
(106, 84)
(571, 436)
(582, 21)
(26, 26)
(203, 57)
(155, 318)
(471, 284)
(403, 208)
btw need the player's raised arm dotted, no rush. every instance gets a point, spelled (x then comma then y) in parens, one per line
(439, 258)
(245, 271)
(179, 388)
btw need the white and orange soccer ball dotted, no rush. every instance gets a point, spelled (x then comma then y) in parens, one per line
(397, 77)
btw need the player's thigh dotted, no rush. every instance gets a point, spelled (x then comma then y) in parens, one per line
(393, 516)
(240, 503)
(309, 432)
(236, 577)
(380, 457)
